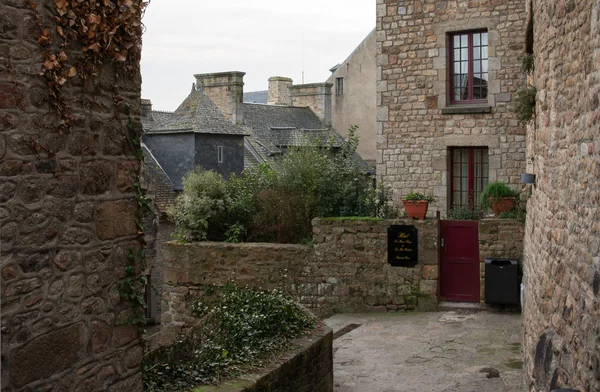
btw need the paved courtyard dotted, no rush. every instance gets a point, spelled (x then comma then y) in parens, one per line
(456, 351)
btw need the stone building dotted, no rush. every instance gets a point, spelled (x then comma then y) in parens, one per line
(353, 101)
(196, 134)
(562, 235)
(447, 72)
(67, 211)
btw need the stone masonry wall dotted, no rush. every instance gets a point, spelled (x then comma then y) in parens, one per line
(416, 124)
(346, 271)
(502, 238)
(317, 96)
(66, 221)
(307, 367)
(562, 236)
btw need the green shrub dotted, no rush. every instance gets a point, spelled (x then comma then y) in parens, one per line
(200, 212)
(277, 206)
(419, 196)
(283, 215)
(241, 328)
(464, 213)
(496, 190)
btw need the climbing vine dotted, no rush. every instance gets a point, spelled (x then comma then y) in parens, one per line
(77, 44)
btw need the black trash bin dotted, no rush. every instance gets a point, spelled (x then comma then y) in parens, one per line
(501, 281)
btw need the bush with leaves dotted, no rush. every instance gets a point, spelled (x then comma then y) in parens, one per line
(263, 204)
(200, 212)
(239, 329)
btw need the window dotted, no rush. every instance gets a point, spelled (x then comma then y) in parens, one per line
(469, 173)
(469, 67)
(339, 86)
(220, 154)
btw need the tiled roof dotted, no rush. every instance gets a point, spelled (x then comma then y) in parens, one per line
(197, 113)
(256, 96)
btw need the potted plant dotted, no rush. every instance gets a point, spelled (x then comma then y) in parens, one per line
(499, 196)
(416, 205)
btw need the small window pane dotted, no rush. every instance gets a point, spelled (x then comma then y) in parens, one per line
(464, 67)
(476, 39)
(484, 65)
(464, 40)
(457, 68)
(476, 53)
(484, 39)
(484, 77)
(477, 66)
(484, 52)
(464, 54)
(456, 41)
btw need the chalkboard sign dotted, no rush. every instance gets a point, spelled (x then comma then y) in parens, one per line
(403, 246)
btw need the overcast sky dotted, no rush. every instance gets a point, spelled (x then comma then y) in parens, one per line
(260, 37)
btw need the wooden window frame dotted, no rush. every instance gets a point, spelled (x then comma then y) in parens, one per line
(470, 70)
(472, 198)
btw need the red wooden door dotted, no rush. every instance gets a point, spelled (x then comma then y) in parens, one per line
(459, 261)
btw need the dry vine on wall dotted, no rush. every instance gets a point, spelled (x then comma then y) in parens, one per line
(76, 46)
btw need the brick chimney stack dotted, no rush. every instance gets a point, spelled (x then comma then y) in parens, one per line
(226, 90)
(280, 91)
(315, 95)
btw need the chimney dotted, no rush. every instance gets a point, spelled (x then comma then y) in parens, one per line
(280, 91)
(315, 95)
(146, 108)
(226, 90)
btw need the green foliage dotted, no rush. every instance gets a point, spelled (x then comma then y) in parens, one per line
(278, 206)
(201, 210)
(524, 105)
(464, 213)
(528, 63)
(496, 190)
(419, 196)
(240, 329)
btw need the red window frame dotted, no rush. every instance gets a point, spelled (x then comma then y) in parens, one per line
(476, 180)
(471, 47)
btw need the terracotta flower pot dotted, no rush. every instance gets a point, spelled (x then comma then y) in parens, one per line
(415, 209)
(502, 204)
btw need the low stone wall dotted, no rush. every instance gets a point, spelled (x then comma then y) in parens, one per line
(502, 238)
(309, 367)
(345, 271)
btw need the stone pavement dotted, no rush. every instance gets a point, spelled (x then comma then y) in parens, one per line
(454, 351)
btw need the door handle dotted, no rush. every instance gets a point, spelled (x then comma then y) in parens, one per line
(442, 243)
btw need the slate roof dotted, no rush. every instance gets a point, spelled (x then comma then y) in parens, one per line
(197, 113)
(256, 96)
(277, 127)
(157, 182)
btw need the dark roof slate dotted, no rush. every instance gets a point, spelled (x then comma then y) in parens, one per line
(197, 113)
(256, 96)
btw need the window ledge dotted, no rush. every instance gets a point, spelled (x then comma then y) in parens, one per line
(467, 109)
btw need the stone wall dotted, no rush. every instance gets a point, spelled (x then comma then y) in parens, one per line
(307, 367)
(562, 236)
(316, 96)
(67, 220)
(416, 123)
(346, 270)
(502, 238)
